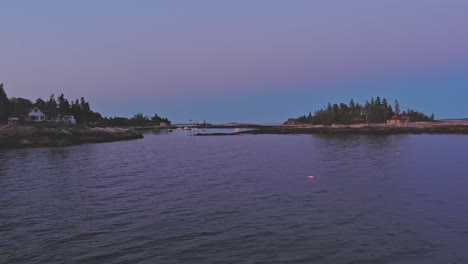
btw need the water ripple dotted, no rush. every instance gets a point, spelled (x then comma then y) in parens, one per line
(175, 199)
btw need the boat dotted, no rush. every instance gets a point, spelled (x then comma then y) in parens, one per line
(237, 130)
(187, 128)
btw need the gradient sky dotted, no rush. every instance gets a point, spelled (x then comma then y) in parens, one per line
(242, 60)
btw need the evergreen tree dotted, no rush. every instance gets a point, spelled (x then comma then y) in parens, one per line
(41, 104)
(86, 114)
(352, 109)
(4, 104)
(385, 110)
(63, 106)
(79, 108)
(397, 107)
(51, 106)
(157, 120)
(352, 105)
(76, 111)
(376, 111)
(310, 118)
(20, 107)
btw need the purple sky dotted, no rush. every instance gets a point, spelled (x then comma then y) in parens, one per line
(223, 61)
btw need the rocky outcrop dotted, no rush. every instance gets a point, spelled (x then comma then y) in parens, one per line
(379, 129)
(29, 136)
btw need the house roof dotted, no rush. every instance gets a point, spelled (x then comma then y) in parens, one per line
(37, 109)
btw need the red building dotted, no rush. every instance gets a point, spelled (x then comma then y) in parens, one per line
(398, 120)
(292, 121)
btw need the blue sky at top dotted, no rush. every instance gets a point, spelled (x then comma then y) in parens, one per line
(246, 61)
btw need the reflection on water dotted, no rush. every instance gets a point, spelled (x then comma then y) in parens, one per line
(370, 152)
(172, 198)
(58, 153)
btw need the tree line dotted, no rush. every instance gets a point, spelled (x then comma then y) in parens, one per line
(137, 120)
(372, 112)
(58, 107)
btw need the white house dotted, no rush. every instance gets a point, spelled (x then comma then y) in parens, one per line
(36, 115)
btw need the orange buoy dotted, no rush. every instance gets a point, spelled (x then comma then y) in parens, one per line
(311, 177)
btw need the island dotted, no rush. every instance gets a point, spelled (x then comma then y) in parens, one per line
(440, 127)
(15, 136)
(374, 117)
(61, 122)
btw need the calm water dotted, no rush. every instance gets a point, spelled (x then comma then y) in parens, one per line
(171, 198)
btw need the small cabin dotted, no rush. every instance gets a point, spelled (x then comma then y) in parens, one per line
(398, 120)
(36, 115)
(13, 120)
(292, 121)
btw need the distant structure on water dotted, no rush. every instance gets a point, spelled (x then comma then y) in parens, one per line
(398, 120)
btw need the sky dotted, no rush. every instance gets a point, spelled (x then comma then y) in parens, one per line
(259, 61)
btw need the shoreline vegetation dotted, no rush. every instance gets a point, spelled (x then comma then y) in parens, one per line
(437, 127)
(340, 119)
(375, 111)
(33, 137)
(88, 126)
(56, 108)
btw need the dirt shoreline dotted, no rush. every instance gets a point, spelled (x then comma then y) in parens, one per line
(377, 129)
(33, 137)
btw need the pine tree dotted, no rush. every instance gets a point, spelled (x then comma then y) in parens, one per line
(4, 104)
(20, 107)
(352, 108)
(397, 107)
(41, 104)
(52, 107)
(376, 111)
(367, 110)
(63, 105)
(310, 118)
(76, 111)
(386, 111)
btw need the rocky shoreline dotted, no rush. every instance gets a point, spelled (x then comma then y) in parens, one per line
(29, 136)
(360, 129)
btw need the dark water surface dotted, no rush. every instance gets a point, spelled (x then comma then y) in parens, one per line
(171, 198)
